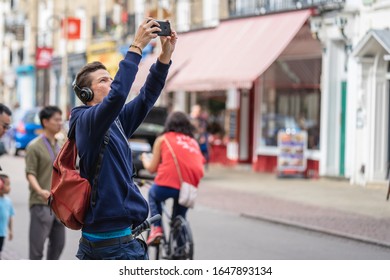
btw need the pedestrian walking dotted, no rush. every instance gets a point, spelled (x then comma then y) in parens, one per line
(40, 155)
(199, 121)
(5, 120)
(6, 211)
(176, 150)
(119, 205)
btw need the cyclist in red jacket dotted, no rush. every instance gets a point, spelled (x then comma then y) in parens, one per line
(178, 133)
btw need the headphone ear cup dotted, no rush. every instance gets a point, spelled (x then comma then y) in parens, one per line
(86, 94)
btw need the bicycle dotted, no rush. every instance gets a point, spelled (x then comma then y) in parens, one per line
(145, 225)
(178, 244)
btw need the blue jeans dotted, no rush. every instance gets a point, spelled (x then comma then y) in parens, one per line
(134, 250)
(158, 194)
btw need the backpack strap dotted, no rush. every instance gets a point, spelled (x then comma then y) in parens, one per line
(120, 127)
(72, 130)
(106, 140)
(96, 173)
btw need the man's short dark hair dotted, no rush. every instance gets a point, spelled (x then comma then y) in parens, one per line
(47, 112)
(5, 109)
(83, 78)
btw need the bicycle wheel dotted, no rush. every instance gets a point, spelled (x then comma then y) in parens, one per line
(181, 245)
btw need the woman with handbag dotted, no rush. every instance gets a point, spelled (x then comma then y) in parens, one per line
(178, 162)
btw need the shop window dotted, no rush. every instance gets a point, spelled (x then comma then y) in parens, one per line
(291, 101)
(214, 107)
(109, 25)
(245, 7)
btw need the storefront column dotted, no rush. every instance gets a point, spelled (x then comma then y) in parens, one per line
(377, 166)
(324, 108)
(332, 71)
(354, 121)
(371, 99)
(179, 101)
(232, 103)
(361, 139)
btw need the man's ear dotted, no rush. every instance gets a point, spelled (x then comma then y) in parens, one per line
(1, 183)
(44, 122)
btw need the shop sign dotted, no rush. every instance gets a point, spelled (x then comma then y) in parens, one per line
(72, 28)
(292, 148)
(43, 57)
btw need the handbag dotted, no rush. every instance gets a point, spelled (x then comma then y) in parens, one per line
(188, 192)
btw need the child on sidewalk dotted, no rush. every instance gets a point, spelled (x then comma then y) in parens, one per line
(6, 211)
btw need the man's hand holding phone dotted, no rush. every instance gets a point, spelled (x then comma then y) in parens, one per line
(165, 27)
(150, 29)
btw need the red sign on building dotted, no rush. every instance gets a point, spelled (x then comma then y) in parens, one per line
(43, 57)
(72, 28)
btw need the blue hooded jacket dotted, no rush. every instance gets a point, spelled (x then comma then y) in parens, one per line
(119, 203)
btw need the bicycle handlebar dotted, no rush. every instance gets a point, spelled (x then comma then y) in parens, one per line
(140, 182)
(146, 224)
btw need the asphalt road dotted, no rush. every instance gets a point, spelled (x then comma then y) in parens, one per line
(217, 234)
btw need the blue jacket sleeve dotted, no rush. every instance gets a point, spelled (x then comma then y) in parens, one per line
(136, 110)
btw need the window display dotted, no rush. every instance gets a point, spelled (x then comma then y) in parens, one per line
(290, 107)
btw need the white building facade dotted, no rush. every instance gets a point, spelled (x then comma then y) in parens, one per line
(355, 91)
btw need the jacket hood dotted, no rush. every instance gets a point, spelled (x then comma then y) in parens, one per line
(74, 115)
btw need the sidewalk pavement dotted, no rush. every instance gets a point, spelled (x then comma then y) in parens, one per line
(327, 205)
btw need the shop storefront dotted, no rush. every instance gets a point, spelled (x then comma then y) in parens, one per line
(253, 76)
(289, 100)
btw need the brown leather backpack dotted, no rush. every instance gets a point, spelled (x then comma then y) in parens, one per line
(70, 194)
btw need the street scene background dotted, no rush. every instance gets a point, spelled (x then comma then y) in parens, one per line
(295, 94)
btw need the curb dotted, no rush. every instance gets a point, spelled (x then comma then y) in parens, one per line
(317, 229)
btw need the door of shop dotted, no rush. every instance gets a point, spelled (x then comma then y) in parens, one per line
(342, 127)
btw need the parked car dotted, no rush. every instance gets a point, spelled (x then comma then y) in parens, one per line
(143, 138)
(26, 127)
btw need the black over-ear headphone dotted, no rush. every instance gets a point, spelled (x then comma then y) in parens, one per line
(85, 94)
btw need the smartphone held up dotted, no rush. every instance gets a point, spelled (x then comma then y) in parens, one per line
(165, 27)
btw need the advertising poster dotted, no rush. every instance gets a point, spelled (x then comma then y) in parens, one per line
(292, 151)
